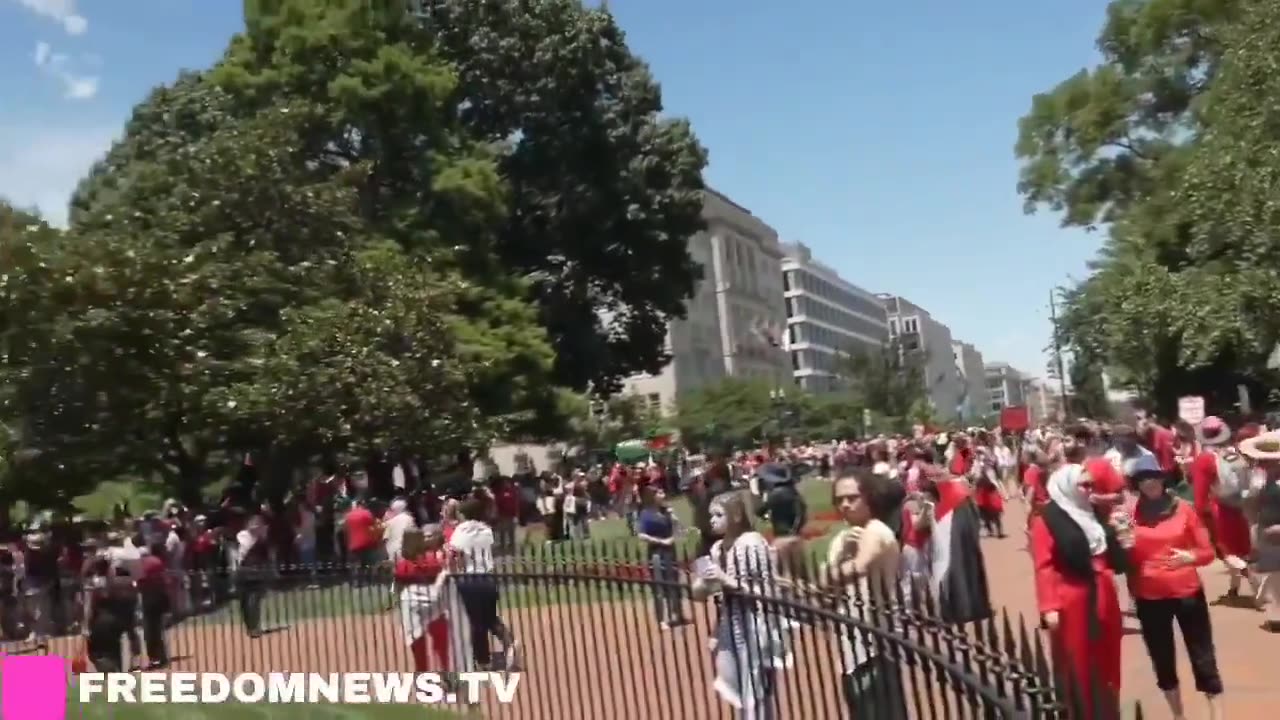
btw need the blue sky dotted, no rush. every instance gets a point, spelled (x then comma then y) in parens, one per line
(880, 134)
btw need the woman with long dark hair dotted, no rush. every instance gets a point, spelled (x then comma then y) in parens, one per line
(864, 561)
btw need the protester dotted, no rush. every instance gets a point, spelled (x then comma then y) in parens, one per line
(1076, 557)
(1168, 543)
(253, 564)
(864, 561)
(109, 610)
(472, 542)
(431, 612)
(1220, 480)
(656, 527)
(153, 593)
(1263, 450)
(748, 645)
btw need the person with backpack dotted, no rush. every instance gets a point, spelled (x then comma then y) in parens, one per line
(1220, 479)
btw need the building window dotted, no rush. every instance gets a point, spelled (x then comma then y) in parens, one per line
(655, 403)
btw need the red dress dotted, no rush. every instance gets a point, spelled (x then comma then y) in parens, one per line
(986, 493)
(1073, 646)
(1227, 525)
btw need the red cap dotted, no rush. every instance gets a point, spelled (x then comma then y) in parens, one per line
(1106, 479)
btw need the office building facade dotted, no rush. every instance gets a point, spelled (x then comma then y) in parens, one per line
(735, 320)
(828, 319)
(918, 332)
(970, 367)
(1006, 386)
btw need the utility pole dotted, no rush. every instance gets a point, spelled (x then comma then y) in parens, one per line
(1057, 352)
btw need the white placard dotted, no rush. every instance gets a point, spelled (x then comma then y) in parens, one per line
(1191, 409)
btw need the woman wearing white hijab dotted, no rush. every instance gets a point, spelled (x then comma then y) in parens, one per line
(1077, 556)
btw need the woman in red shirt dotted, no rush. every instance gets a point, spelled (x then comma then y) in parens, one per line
(1219, 500)
(1169, 543)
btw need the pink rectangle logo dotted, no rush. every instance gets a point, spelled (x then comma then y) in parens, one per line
(33, 687)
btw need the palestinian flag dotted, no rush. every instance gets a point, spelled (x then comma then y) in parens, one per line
(956, 571)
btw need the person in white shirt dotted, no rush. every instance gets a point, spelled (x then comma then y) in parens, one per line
(398, 520)
(472, 542)
(253, 559)
(175, 555)
(127, 559)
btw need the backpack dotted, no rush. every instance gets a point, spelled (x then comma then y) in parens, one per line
(1231, 483)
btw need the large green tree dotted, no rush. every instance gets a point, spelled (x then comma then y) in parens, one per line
(241, 279)
(890, 382)
(601, 192)
(605, 190)
(1113, 148)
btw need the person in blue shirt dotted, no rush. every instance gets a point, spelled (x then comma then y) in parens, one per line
(656, 527)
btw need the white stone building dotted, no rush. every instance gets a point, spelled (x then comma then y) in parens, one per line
(736, 318)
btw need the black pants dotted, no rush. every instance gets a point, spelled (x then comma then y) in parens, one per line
(1192, 614)
(480, 600)
(104, 649)
(155, 603)
(873, 691)
(251, 589)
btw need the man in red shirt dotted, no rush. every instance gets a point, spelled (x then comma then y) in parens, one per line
(364, 535)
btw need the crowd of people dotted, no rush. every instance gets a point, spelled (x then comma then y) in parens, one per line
(1120, 518)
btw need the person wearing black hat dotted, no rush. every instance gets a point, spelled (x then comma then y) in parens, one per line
(783, 505)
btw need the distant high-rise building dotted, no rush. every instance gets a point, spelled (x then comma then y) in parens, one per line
(916, 331)
(735, 320)
(828, 318)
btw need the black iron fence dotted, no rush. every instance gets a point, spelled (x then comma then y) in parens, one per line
(595, 630)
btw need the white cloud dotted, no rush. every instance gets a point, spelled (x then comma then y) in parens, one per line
(40, 167)
(61, 11)
(75, 86)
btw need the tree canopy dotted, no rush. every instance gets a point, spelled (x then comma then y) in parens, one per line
(1165, 145)
(358, 233)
